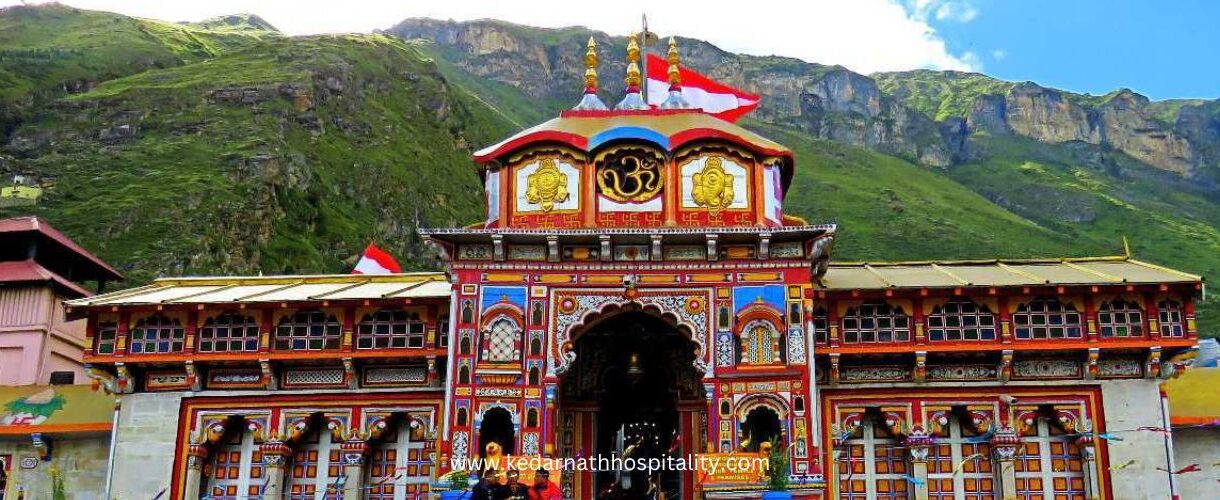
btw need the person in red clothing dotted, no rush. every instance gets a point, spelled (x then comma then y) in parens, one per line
(543, 488)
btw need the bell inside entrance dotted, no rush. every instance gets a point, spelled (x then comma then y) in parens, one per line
(634, 372)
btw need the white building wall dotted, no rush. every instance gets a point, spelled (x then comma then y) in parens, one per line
(145, 444)
(1196, 446)
(1128, 405)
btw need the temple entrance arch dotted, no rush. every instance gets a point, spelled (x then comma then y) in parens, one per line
(761, 425)
(632, 391)
(496, 426)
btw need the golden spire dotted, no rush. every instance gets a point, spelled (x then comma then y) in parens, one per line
(675, 77)
(591, 67)
(633, 68)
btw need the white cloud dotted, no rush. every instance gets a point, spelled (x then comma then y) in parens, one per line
(998, 54)
(961, 12)
(864, 35)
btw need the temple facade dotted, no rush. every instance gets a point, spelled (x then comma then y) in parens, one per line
(637, 288)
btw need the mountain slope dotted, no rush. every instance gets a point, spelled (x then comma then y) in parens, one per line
(50, 50)
(245, 163)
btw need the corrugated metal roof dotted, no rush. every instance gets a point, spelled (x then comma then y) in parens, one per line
(1192, 396)
(212, 290)
(998, 273)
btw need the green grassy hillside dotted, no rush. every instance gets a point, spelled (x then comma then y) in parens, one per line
(284, 159)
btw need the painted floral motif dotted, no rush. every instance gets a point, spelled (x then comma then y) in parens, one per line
(573, 309)
(1046, 368)
(796, 346)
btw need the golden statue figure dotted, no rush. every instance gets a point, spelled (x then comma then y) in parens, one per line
(713, 187)
(546, 186)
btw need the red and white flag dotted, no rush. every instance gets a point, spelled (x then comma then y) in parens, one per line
(713, 97)
(376, 261)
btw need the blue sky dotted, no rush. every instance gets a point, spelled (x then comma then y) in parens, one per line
(1166, 49)
(1163, 50)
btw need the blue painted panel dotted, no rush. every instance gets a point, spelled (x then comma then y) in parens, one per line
(639, 133)
(492, 295)
(772, 295)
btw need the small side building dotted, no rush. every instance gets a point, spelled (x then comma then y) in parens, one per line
(48, 425)
(1194, 413)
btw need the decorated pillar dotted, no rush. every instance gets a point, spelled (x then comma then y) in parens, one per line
(275, 458)
(1087, 442)
(355, 452)
(918, 444)
(1004, 446)
(196, 456)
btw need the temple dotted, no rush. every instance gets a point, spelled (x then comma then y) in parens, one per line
(636, 288)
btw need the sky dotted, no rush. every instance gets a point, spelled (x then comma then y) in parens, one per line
(1164, 50)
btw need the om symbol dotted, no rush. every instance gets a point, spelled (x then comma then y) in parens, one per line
(629, 176)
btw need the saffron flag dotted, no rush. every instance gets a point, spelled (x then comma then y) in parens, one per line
(376, 261)
(713, 97)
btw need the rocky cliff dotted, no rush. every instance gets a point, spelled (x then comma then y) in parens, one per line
(924, 116)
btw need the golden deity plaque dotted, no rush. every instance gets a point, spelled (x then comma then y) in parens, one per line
(546, 186)
(713, 187)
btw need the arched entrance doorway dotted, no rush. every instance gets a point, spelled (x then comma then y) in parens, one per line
(761, 425)
(496, 427)
(633, 392)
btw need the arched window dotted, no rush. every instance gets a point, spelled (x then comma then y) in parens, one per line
(760, 343)
(872, 322)
(1049, 465)
(1170, 314)
(467, 311)
(821, 325)
(798, 404)
(959, 320)
(534, 376)
(464, 345)
(157, 334)
(1046, 318)
(309, 330)
(442, 331)
(960, 464)
(106, 335)
(876, 465)
(794, 313)
(229, 332)
(723, 318)
(501, 341)
(536, 313)
(536, 345)
(1120, 318)
(237, 467)
(464, 374)
(462, 416)
(531, 417)
(390, 328)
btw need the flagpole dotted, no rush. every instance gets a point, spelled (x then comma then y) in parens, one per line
(644, 59)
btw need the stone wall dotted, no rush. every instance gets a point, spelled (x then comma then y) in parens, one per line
(145, 439)
(1129, 404)
(1196, 446)
(81, 461)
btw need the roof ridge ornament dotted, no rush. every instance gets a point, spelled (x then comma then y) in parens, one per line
(675, 99)
(590, 101)
(633, 100)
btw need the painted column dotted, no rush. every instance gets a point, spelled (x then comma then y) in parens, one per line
(1004, 445)
(355, 452)
(1089, 455)
(196, 456)
(918, 444)
(275, 458)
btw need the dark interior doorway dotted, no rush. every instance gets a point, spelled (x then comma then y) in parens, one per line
(636, 370)
(761, 425)
(497, 426)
